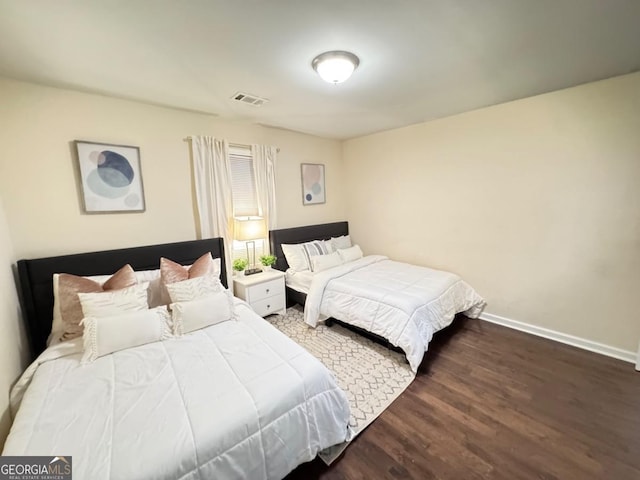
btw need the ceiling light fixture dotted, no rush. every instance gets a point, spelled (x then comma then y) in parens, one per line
(335, 66)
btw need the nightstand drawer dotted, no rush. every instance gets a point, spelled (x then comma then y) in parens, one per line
(266, 289)
(269, 305)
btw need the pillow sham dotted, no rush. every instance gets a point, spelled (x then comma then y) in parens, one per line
(341, 242)
(104, 304)
(325, 262)
(295, 257)
(104, 335)
(172, 272)
(350, 254)
(67, 310)
(194, 288)
(196, 314)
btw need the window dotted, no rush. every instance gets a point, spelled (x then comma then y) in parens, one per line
(245, 198)
(243, 184)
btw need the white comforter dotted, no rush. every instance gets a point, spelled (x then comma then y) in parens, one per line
(234, 400)
(402, 303)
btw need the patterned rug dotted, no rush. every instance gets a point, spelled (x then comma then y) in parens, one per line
(371, 375)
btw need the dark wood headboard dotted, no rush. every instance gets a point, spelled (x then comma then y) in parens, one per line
(36, 276)
(303, 234)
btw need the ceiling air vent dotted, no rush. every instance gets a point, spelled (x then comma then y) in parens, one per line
(249, 99)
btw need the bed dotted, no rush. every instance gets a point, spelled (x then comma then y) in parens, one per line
(403, 304)
(237, 399)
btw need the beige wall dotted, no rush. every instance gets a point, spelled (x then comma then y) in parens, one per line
(37, 170)
(43, 209)
(535, 202)
(13, 344)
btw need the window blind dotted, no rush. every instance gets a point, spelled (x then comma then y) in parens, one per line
(243, 186)
(245, 199)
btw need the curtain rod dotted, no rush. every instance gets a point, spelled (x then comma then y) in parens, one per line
(240, 145)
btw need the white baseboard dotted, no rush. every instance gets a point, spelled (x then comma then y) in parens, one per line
(609, 351)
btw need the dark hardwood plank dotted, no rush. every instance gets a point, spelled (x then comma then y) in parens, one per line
(494, 403)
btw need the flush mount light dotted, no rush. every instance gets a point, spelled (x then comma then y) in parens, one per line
(336, 66)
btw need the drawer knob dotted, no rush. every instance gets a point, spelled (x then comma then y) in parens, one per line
(268, 306)
(267, 290)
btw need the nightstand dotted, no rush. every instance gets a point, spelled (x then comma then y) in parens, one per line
(263, 291)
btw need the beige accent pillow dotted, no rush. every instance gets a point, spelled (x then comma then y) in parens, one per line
(172, 272)
(104, 304)
(104, 335)
(69, 286)
(196, 314)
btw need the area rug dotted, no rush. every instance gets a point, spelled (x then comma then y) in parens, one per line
(371, 375)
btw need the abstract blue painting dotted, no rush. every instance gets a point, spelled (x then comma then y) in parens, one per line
(111, 178)
(313, 191)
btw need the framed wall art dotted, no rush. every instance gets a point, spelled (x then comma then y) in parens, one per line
(110, 177)
(313, 190)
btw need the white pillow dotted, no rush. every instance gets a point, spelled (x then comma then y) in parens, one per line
(312, 249)
(104, 335)
(295, 257)
(154, 293)
(194, 288)
(325, 262)
(341, 242)
(200, 313)
(350, 254)
(114, 302)
(143, 276)
(328, 244)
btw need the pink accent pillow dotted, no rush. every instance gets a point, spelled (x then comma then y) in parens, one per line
(70, 285)
(172, 272)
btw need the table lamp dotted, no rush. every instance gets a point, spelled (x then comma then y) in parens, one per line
(248, 230)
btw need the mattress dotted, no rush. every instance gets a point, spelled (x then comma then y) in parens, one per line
(234, 400)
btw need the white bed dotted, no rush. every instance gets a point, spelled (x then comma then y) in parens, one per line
(402, 303)
(299, 281)
(234, 400)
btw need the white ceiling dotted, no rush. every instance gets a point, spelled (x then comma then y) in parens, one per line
(419, 59)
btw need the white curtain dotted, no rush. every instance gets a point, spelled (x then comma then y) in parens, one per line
(212, 172)
(264, 167)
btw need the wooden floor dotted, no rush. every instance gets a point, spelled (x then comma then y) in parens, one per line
(491, 402)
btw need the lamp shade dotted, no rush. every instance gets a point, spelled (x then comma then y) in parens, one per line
(250, 228)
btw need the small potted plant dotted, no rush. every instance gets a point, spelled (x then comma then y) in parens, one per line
(240, 264)
(268, 261)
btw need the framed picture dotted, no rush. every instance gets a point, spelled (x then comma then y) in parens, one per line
(313, 191)
(110, 177)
